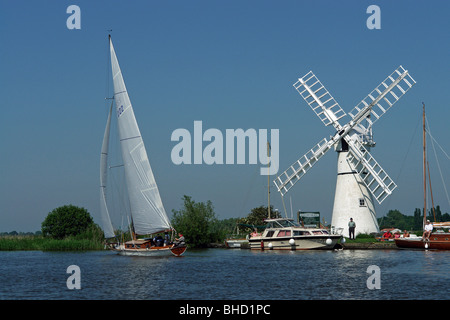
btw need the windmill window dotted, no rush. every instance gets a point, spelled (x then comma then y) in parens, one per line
(362, 202)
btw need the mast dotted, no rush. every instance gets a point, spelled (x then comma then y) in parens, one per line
(424, 170)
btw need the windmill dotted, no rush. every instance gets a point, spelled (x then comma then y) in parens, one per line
(360, 178)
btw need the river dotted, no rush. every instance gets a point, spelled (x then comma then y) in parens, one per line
(227, 274)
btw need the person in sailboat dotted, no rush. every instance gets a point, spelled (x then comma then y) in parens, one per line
(158, 241)
(179, 242)
(427, 231)
(166, 238)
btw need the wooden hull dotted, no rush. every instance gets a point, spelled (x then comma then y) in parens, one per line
(151, 252)
(178, 251)
(437, 242)
(327, 242)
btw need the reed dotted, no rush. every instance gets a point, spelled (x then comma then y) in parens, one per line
(14, 243)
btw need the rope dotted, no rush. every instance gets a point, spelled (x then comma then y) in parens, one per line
(284, 206)
(386, 204)
(437, 161)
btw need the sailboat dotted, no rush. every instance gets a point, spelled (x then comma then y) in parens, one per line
(439, 239)
(148, 216)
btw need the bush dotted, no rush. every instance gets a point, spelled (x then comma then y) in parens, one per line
(66, 221)
(197, 222)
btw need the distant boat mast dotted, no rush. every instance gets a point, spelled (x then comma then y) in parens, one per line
(268, 179)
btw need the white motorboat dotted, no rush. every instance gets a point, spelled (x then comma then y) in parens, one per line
(286, 234)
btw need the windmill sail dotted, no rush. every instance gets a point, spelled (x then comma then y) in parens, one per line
(288, 178)
(105, 218)
(147, 210)
(319, 99)
(372, 174)
(384, 96)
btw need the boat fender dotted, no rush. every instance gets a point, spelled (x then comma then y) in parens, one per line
(426, 245)
(343, 240)
(329, 241)
(291, 242)
(270, 245)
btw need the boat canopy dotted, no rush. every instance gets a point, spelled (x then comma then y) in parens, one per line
(281, 222)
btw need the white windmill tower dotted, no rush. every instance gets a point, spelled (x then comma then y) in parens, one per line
(360, 178)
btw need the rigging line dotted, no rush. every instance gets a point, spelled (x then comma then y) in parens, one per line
(284, 206)
(252, 179)
(431, 192)
(409, 147)
(437, 161)
(433, 139)
(386, 204)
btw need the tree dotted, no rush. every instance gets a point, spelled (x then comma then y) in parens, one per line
(396, 219)
(66, 221)
(446, 217)
(438, 214)
(257, 216)
(418, 220)
(196, 221)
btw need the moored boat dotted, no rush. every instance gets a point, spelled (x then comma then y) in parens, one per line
(237, 239)
(439, 238)
(236, 243)
(286, 234)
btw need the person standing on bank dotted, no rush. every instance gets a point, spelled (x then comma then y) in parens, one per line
(351, 228)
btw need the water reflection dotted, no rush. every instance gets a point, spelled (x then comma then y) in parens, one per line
(436, 263)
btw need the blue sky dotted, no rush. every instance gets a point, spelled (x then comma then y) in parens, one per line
(230, 64)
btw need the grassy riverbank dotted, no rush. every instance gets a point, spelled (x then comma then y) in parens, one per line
(13, 243)
(368, 243)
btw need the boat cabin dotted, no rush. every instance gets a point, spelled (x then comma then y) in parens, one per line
(143, 244)
(283, 227)
(138, 244)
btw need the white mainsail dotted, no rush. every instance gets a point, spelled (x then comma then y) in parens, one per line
(147, 210)
(104, 214)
